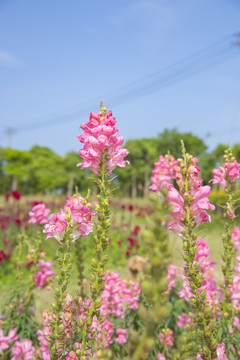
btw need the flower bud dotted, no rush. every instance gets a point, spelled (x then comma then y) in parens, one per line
(197, 266)
(200, 334)
(213, 345)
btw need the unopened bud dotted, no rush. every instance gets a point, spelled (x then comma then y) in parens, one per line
(213, 344)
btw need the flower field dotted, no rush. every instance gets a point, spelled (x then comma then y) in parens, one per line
(107, 277)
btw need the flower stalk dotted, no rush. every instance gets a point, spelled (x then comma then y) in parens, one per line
(62, 278)
(203, 319)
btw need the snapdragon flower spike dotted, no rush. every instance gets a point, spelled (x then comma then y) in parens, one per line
(189, 205)
(76, 215)
(213, 293)
(39, 214)
(183, 320)
(235, 287)
(45, 275)
(235, 237)
(163, 172)
(166, 337)
(229, 170)
(200, 203)
(101, 137)
(172, 276)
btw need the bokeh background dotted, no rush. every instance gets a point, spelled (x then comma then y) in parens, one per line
(169, 70)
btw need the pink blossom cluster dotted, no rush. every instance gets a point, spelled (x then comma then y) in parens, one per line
(196, 193)
(118, 293)
(76, 215)
(235, 237)
(199, 206)
(117, 297)
(121, 336)
(235, 287)
(213, 293)
(101, 138)
(23, 350)
(230, 170)
(161, 357)
(45, 275)
(166, 337)
(220, 353)
(171, 276)
(42, 337)
(163, 172)
(183, 320)
(39, 214)
(5, 341)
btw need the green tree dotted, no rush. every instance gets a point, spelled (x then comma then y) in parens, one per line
(47, 170)
(16, 164)
(169, 140)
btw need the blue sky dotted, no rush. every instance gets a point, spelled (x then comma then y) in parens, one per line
(59, 58)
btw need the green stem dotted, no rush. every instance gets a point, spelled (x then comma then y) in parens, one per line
(137, 354)
(101, 243)
(64, 273)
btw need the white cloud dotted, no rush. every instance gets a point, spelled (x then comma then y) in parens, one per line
(6, 59)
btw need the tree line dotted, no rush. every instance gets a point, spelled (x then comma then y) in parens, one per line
(41, 170)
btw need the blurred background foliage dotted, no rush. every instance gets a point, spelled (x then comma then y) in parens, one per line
(40, 170)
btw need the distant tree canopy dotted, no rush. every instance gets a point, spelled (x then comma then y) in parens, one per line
(42, 170)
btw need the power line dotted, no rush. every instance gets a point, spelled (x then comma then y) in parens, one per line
(200, 61)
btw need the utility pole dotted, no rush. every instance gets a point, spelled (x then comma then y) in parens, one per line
(238, 40)
(10, 131)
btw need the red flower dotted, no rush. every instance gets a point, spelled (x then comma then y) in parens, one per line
(130, 208)
(16, 195)
(136, 230)
(18, 221)
(7, 196)
(131, 241)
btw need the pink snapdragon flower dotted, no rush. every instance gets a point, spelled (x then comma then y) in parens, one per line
(197, 194)
(171, 276)
(235, 287)
(221, 352)
(119, 294)
(101, 138)
(56, 226)
(213, 293)
(163, 172)
(236, 322)
(42, 337)
(230, 170)
(166, 338)
(6, 340)
(76, 215)
(121, 338)
(3, 341)
(199, 204)
(45, 275)
(23, 350)
(39, 213)
(161, 357)
(183, 320)
(236, 237)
